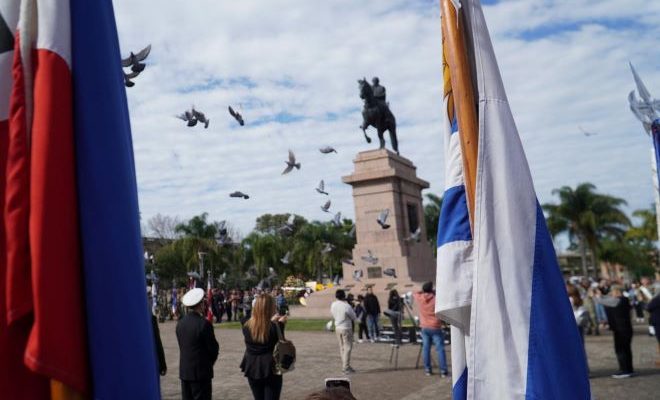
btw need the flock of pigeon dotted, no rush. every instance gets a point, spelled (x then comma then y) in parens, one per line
(135, 61)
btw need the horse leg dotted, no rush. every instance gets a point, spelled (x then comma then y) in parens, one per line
(381, 138)
(364, 131)
(393, 139)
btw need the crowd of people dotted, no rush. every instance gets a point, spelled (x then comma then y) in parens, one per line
(608, 305)
(598, 306)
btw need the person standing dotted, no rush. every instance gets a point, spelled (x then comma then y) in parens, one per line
(431, 329)
(617, 308)
(372, 307)
(198, 348)
(394, 312)
(344, 316)
(654, 309)
(261, 336)
(361, 315)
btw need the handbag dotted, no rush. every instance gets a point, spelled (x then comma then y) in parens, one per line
(284, 353)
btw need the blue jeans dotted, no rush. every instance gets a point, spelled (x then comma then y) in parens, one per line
(372, 326)
(438, 338)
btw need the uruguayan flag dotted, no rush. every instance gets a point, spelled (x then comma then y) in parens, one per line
(513, 331)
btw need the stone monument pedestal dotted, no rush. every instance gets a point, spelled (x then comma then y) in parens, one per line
(384, 180)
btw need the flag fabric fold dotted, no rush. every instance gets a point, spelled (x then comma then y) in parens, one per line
(514, 335)
(121, 343)
(74, 316)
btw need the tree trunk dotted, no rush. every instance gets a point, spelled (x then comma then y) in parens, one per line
(583, 256)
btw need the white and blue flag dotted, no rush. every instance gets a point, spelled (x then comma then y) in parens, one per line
(514, 335)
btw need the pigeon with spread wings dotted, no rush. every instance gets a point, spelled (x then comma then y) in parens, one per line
(326, 206)
(382, 218)
(291, 163)
(189, 117)
(135, 62)
(370, 258)
(321, 188)
(327, 150)
(239, 194)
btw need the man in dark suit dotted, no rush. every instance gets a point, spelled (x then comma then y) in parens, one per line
(198, 348)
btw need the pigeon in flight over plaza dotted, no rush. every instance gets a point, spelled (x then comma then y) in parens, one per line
(189, 117)
(239, 194)
(128, 77)
(321, 188)
(382, 218)
(328, 248)
(194, 274)
(351, 233)
(199, 116)
(288, 225)
(327, 150)
(291, 163)
(336, 220)
(415, 235)
(287, 258)
(370, 258)
(587, 133)
(348, 261)
(326, 206)
(357, 275)
(389, 272)
(237, 116)
(222, 228)
(135, 62)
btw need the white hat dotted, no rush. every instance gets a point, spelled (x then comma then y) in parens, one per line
(193, 297)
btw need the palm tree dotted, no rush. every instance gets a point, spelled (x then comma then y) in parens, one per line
(587, 217)
(198, 227)
(432, 217)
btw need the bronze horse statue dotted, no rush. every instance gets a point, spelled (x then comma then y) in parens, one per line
(377, 114)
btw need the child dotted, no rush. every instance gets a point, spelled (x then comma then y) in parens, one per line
(361, 315)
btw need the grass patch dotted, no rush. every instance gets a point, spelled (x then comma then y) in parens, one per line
(291, 325)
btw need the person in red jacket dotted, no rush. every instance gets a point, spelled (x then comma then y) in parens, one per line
(431, 329)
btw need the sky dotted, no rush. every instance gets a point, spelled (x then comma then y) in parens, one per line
(291, 67)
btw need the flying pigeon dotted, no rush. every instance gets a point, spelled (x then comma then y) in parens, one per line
(586, 133)
(357, 275)
(189, 117)
(194, 274)
(239, 194)
(238, 117)
(351, 233)
(199, 116)
(389, 272)
(288, 225)
(321, 188)
(415, 235)
(337, 219)
(326, 206)
(335, 281)
(134, 60)
(291, 163)
(128, 77)
(328, 248)
(370, 258)
(222, 228)
(222, 278)
(327, 150)
(348, 261)
(382, 218)
(286, 259)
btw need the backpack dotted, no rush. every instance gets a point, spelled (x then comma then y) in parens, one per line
(284, 354)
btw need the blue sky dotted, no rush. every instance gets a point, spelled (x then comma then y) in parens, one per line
(291, 66)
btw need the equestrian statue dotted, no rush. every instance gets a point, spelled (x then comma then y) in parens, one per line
(376, 112)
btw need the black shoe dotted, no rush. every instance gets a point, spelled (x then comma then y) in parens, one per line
(622, 375)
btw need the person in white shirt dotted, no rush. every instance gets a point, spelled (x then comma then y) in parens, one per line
(344, 316)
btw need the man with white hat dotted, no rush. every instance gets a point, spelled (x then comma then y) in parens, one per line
(198, 348)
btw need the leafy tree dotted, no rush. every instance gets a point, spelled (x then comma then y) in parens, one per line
(587, 217)
(163, 226)
(198, 227)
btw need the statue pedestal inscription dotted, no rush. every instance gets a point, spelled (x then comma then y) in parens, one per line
(384, 180)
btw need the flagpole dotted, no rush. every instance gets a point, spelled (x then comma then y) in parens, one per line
(464, 99)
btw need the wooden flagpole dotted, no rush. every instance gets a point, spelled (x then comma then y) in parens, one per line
(453, 33)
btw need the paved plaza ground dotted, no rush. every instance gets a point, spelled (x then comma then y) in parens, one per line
(318, 358)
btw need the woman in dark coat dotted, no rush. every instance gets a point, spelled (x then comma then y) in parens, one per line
(260, 332)
(395, 309)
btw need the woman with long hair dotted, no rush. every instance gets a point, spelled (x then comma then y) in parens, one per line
(260, 332)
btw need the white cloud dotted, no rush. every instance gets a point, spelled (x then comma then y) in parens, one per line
(302, 58)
